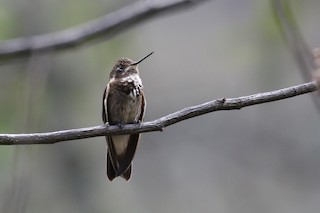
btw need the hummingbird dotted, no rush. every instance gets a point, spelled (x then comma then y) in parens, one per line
(123, 103)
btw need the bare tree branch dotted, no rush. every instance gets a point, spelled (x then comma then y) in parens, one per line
(159, 124)
(108, 25)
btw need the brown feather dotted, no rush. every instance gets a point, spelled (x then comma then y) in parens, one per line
(111, 173)
(127, 174)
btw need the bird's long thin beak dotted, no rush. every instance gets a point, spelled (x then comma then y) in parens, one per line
(138, 62)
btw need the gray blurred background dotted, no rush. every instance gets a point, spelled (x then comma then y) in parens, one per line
(263, 158)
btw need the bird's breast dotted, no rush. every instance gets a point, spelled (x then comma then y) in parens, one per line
(124, 104)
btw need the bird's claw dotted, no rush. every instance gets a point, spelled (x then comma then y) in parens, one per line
(120, 125)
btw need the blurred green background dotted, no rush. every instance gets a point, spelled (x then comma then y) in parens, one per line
(263, 158)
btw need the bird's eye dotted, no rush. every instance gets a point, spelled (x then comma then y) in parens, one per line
(120, 68)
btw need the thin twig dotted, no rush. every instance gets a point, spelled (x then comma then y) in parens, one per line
(293, 37)
(159, 124)
(296, 43)
(108, 25)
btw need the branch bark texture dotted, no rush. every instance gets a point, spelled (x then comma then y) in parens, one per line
(159, 124)
(106, 26)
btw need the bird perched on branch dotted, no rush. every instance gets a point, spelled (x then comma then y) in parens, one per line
(123, 103)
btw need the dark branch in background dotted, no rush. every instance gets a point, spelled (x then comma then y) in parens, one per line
(158, 124)
(295, 42)
(108, 25)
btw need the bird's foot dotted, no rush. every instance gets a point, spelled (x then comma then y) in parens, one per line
(138, 122)
(120, 125)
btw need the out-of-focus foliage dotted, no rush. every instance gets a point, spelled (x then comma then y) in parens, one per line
(259, 159)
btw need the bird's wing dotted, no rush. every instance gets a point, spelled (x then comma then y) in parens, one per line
(111, 158)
